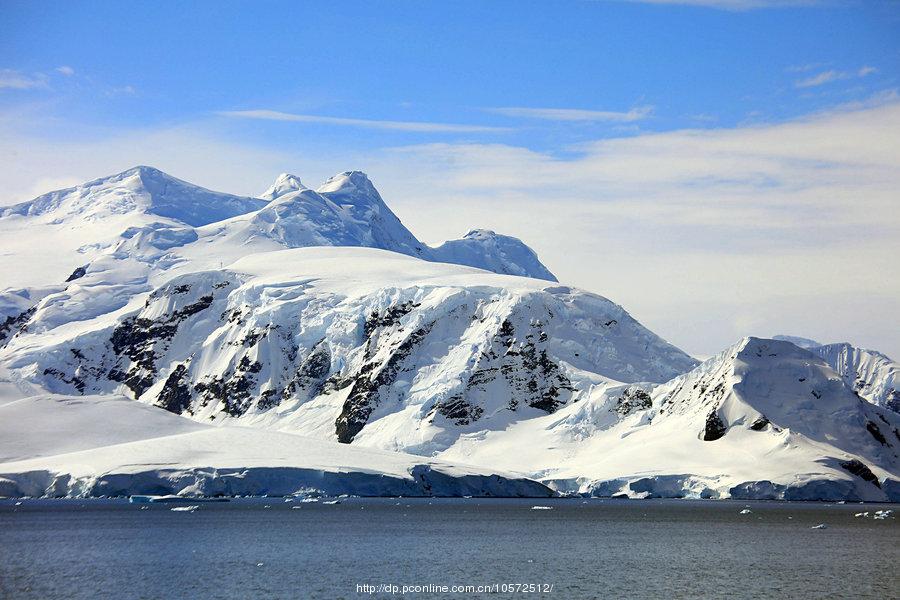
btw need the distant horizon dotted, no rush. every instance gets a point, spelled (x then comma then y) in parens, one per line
(718, 168)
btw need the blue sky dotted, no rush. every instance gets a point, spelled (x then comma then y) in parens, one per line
(148, 64)
(719, 167)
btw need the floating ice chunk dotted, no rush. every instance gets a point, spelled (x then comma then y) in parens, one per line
(332, 502)
(819, 526)
(296, 507)
(746, 511)
(190, 508)
(862, 514)
(541, 508)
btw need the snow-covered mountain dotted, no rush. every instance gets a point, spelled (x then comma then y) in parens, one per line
(484, 249)
(353, 343)
(203, 342)
(763, 419)
(141, 190)
(800, 342)
(869, 373)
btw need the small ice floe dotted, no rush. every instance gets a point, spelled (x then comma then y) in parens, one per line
(259, 564)
(145, 508)
(310, 500)
(541, 508)
(190, 508)
(18, 504)
(296, 507)
(819, 526)
(862, 514)
(881, 515)
(332, 502)
(267, 506)
(746, 511)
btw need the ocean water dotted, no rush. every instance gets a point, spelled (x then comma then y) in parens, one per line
(266, 548)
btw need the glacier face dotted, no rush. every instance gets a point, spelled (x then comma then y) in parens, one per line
(309, 332)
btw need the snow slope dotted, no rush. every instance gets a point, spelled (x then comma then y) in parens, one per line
(490, 251)
(75, 225)
(763, 419)
(123, 447)
(351, 344)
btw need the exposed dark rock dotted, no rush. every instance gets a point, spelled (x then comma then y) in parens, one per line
(77, 382)
(760, 424)
(715, 428)
(311, 379)
(182, 289)
(77, 274)
(531, 375)
(876, 433)
(364, 395)
(249, 366)
(458, 410)
(15, 324)
(268, 399)
(389, 317)
(136, 338)
(175, 395)
(860, 470)
(233, 392)
(632, 400)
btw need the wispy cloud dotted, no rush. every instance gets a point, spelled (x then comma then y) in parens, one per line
(416, 126)
(65, 70)
(125, 90)
(574, 114)
(703, 234)
(833, 75)
(11, 79)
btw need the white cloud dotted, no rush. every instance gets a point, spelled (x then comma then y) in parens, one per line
(15, 80)
(417, 126)
(65, 70)
(125, 90)
(866, 70)
(704, 235)
(574, 114)
(833, 75)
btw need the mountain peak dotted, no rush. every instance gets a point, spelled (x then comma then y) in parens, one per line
(138, 190)
(284, 184)
(477, 234)
(489, 250)
(347, 183)
(802, 342)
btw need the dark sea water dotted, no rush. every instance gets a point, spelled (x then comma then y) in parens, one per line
(582, 548)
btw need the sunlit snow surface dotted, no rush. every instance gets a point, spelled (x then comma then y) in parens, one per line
(274, 328)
